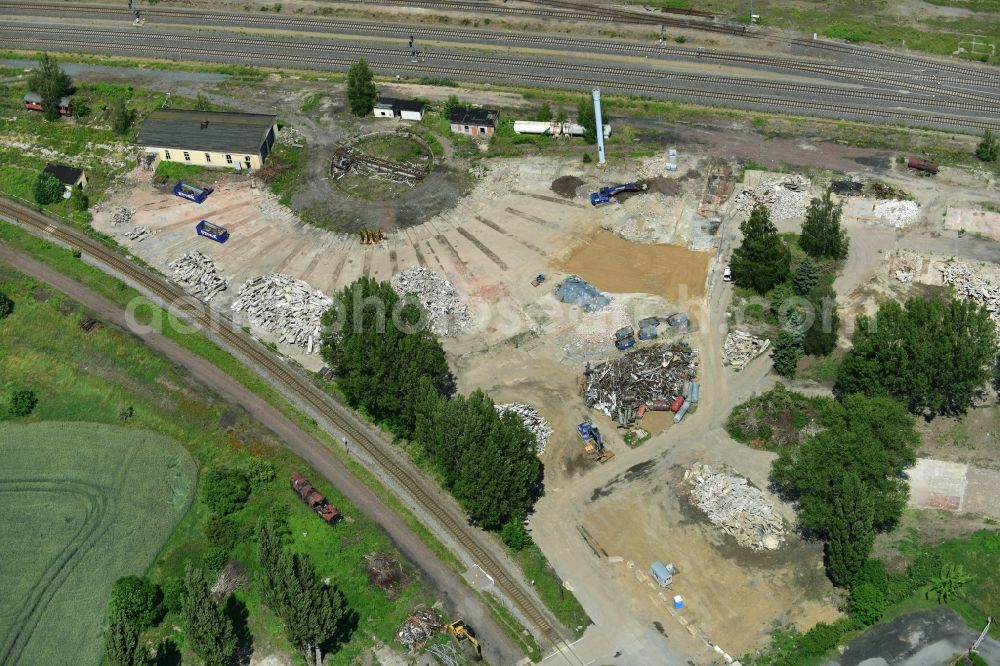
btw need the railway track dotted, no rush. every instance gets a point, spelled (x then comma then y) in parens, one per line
(322, 403)
(911, 81)
(607, 77)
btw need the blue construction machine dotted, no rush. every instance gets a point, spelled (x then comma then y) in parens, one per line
(593, 443)
(603, 196)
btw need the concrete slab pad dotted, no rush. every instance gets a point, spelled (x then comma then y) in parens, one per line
(937, 484)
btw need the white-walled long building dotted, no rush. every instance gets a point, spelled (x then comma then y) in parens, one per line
(209, 138)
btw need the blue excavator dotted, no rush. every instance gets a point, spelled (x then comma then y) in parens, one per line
(603, 196)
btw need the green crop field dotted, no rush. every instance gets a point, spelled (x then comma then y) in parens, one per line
(81, 504)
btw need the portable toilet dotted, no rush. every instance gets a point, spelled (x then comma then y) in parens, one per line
(663, 573)
(678, 602)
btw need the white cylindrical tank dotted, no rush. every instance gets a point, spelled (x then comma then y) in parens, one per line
(534, 127)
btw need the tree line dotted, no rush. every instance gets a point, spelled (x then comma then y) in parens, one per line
(390, 366)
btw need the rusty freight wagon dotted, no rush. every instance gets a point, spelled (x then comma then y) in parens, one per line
(314, 499)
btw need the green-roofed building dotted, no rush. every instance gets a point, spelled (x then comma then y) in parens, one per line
(209, 138)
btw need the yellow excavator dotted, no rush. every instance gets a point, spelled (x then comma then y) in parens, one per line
(463, 633)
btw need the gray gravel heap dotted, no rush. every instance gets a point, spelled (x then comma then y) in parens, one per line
(283, 305)
(122, 216)
(198, 274)
(532, 420)
(737, 507)
(446, 313)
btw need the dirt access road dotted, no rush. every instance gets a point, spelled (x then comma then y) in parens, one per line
(498, 649)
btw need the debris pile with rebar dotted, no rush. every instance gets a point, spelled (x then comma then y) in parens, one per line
(532, 420)
(620, 387)
(786, 197)
(419, 626)
(122, 216)
(740, 509)
(447, 314)
(138, 233)
(283, 305)
(740, 348)
(198, 275)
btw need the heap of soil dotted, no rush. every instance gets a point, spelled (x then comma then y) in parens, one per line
(566, 186)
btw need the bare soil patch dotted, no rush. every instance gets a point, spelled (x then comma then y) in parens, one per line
(566, 186)
(616, 265)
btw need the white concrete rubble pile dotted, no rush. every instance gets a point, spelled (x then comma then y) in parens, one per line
(532, 420)
(121, 216)
(907, 264)
(740, 348)
(283, 305)
(198, 274)
(738, 508)
(137, 233)
(417, 628)
(976, 283)
(897, 212)
(446, 312)
(786, 196)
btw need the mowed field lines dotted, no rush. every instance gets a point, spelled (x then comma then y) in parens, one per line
(81, 504)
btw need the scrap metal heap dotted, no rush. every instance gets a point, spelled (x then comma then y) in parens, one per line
(738, 508)
(417, 628)
(620, 387)
(198, 274)
(532, 420)
(286, 306)
(740, 348)
(446, 312)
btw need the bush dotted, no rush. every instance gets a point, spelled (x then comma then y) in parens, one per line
(923, 568)
(261, 473)
(172, 590)
(873, 573)
(215, 559)
(122, 117)
(6, 306)
(22, 402)
(79, 199)
(222, 532)
(867, 603)
(515, 535)
(587, 159)
(137, 601)
(46, 189)
(224, 490)
(988, 149)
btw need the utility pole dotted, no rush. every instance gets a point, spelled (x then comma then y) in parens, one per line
(600, 125)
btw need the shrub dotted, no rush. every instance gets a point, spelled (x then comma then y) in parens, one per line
(6, 306)
(873, 573)
(79, 199)
(587, 159)
(22, 402)
(988, 149)
(215, 559)
(173, 590)
(221, 532)
(261, 473)
(515, 535)
(867, 603)
(46, 189)
(224, 490)
(137, 601)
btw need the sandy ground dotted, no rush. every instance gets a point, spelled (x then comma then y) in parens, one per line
(600, 525)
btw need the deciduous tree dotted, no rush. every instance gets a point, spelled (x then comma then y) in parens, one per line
(762, 260)
(361, 92)
(22, 402)
(208, 630)
(872, 438)
(311, 610)
(380, 349)
(933, 356)
(224, 490)
(585, 118)
(867, 603)
(822, 235)
(51, 83)
(47, 189)
(137, 601)
(122, 117)
(851, 533)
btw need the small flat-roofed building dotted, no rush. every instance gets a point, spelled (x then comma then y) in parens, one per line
(209, 138)
(407, 109)
(69, 176)
(474, 122)
(33, 102)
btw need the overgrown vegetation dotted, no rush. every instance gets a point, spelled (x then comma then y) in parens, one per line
(51, 83)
